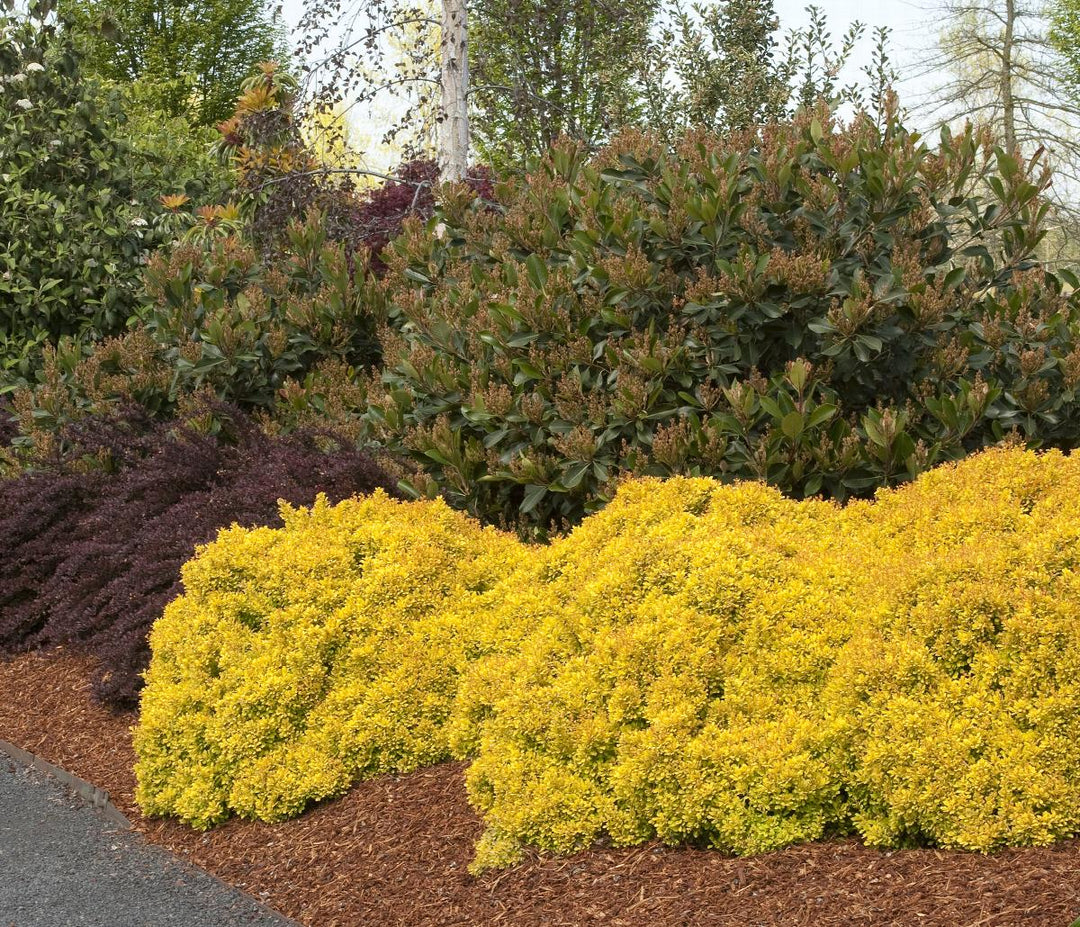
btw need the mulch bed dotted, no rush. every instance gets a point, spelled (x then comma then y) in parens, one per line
(394, 851)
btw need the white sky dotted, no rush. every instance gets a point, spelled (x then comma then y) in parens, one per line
(911, 23)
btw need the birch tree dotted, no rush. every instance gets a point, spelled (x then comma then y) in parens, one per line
(454, 86)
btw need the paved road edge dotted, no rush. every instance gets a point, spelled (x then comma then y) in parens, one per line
(99, 798)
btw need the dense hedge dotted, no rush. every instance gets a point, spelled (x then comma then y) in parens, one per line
(724, 666)
(828, 308)
(92, 557)
(302, 659)
(698, 662)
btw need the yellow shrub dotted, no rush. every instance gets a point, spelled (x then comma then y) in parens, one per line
(301, 659)
(697, 662)
(722, 665)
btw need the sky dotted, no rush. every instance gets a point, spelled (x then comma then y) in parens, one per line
(912, 26)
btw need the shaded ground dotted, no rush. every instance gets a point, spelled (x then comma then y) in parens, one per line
(394, 852)
(62, 862)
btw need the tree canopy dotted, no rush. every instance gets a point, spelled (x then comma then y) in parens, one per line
(186, 57)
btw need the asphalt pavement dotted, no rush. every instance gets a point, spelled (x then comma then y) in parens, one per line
(64, 864)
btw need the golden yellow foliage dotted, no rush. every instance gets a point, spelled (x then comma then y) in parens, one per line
(333, 141)
(302, 659)
(719, 664)
(697, 662)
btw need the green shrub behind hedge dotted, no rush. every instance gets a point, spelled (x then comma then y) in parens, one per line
(828, 308)
(216, 318)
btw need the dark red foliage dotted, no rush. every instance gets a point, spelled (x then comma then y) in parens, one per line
(371, 221)
(367, 221)
(385, 208)
(37, 515)
(94, 557)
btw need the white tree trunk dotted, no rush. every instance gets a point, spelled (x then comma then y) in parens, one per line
(1008, 103)
(454, 115)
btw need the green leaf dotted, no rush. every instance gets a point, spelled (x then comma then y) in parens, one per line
(1069, 277)
(526, 371)
(770, 406)
(873, 432)
(903, 446)
(493, 438)
(954, 277)
(536, 271)
(409, 490)
(792, 424)
(533, 495)
(1007, 164)
(575, 474)
(820, 415)
(438, 456)
(860, 482)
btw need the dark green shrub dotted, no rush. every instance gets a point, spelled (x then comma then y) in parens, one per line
(217, 320)
(828, 308)
(79, 202)
(227, 319)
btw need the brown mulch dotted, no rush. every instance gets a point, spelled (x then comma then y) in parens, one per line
(394, 851)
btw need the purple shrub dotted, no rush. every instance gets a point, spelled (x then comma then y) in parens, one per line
(384, 208)
(109, 558)
(38, 513)
(377, 219)
(8, 426)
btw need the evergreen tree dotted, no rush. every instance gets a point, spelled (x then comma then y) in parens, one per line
(730, 64)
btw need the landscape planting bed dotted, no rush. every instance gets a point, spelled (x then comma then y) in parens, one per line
(394, 851)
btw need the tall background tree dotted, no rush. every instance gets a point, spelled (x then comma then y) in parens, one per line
(1064, 16)
(535, 70)
(546, 68)
(454, 91)
(727, 65)
(580, 68)
(185, 57)
(1010, 65)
